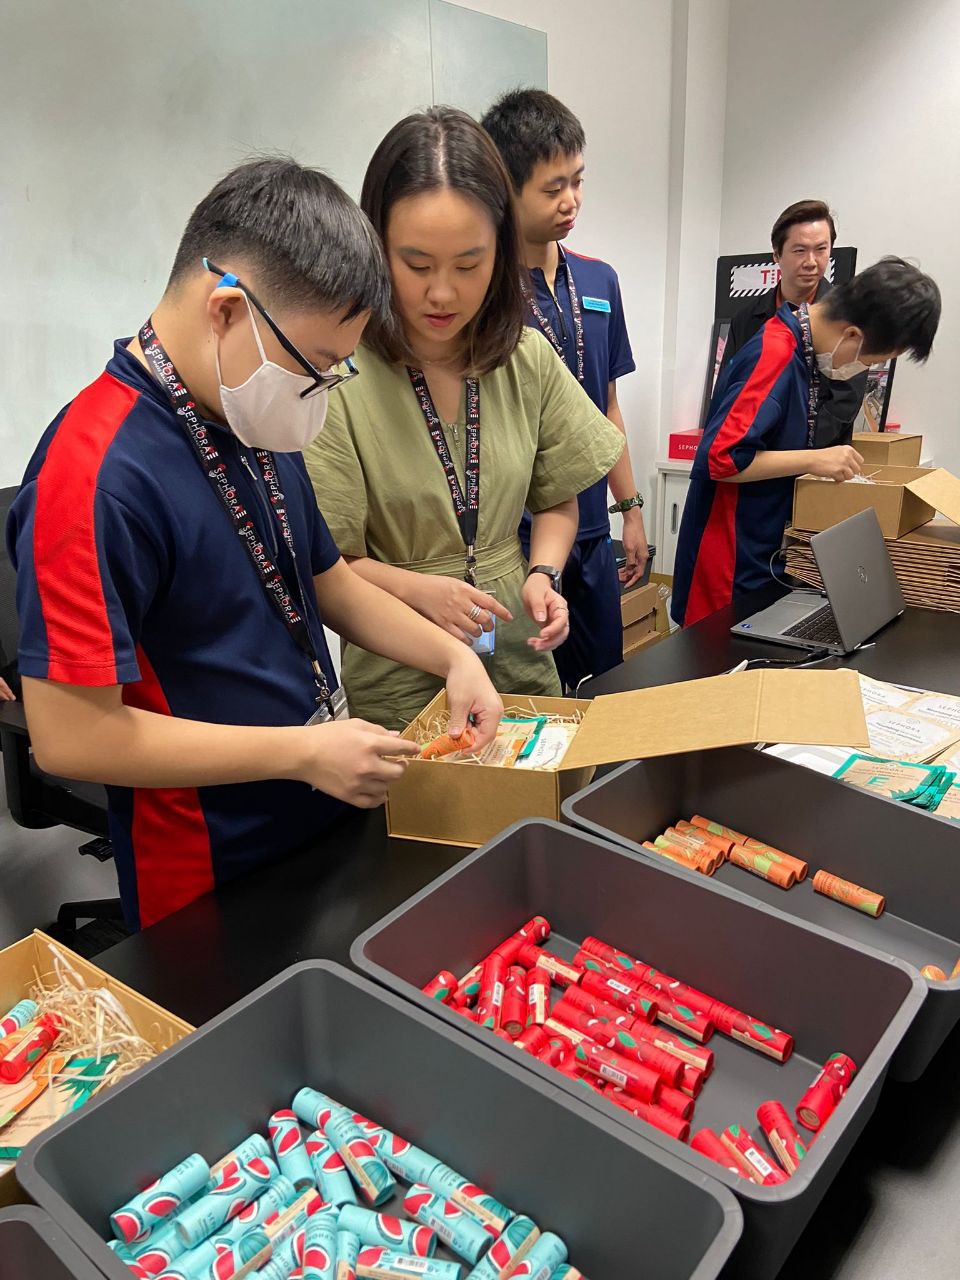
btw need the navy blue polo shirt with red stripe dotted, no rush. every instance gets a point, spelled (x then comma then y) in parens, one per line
(606, 351)
(130, 573)
(730, 531)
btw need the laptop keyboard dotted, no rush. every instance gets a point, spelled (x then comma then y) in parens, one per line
(819, 628)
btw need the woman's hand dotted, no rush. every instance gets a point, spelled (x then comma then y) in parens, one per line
(461, 610)
(548, 610)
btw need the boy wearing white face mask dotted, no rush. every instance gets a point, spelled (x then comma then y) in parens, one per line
(761, 429)
(173, 566)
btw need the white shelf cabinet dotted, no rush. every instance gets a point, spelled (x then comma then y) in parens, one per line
(673, 481)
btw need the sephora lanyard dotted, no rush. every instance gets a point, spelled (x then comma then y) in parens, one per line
(214, 468)
(813, 402)
(547, 327)
(466, 505)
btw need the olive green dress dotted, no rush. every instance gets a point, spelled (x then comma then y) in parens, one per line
(382, 490)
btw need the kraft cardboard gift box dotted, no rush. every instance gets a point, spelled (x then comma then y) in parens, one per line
(888, 448)
(465, 804)
(903, 497)
(33, 957)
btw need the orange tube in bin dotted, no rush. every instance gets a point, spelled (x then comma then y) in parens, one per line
(759, 864)
(933, 973)
(955, 971)
(716, 829)
(851, 895)
(710, 856)
(684, 857)
(777, 855)
(722, 843)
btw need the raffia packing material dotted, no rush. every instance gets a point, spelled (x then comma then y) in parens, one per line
(22, 963)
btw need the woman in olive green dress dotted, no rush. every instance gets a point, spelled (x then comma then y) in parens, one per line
(460, 418)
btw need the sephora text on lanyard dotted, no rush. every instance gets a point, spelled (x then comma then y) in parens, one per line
(466, 504)
(813, 400)
(547, 327)
(329, 705)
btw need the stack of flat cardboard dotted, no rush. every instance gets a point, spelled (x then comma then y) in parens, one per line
(926, 562)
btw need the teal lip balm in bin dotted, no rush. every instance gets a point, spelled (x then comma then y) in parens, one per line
(135, 1220)
(320, 1248)
(237, 1186)
(335, 1184)
(290, 1151)
(455, 1227)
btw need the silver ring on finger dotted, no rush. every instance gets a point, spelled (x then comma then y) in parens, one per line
(475, 613)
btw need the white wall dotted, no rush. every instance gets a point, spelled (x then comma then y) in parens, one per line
(698, 92)
(609, 61)
(857, 103)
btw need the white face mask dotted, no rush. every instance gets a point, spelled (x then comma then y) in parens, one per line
(266, 411)
(842, 372)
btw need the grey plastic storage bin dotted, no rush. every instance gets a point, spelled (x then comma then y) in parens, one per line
(910, 857)
(608, 1193)
(829, 994)
(33, 1247)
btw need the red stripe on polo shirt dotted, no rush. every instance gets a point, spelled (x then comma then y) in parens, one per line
(776, 351)
(67, 568)
(711, 586)
(586, 257)
(171, 842)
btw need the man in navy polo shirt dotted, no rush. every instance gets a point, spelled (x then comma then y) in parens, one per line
(173, 566)
(762, 426)
(575, 302)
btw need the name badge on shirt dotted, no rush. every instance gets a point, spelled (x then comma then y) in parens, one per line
(595, 304)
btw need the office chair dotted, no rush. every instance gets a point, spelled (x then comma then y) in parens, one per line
(36, 799)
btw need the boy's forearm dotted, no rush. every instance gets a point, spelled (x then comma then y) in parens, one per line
(127, 747)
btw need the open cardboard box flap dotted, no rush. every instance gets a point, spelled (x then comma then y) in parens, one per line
(819, 707)
(941, 490)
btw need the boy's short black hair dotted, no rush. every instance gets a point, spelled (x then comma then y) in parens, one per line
(301, 235)
(530, 125)
(895, 305)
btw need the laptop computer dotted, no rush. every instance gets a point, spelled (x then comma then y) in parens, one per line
(862, 593)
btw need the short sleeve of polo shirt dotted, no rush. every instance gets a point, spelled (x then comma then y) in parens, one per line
(324, 552)
(748, 416)
(85, 578)
(577, 443)
(336, 474)
(621, 354)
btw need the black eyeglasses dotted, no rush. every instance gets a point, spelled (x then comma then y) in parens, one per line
(321, 381)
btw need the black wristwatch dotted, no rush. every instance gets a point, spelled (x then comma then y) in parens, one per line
(552, 573)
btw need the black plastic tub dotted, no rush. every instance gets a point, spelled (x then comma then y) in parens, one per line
(33, 1247)
(912, 858)
(617, 1200)
(830, 994)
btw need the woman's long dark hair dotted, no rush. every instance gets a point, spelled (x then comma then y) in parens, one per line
(437, 149)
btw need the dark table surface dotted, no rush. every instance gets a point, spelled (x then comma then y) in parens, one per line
(892, 1206)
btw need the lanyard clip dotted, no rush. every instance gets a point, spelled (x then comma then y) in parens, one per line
(469, 575)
